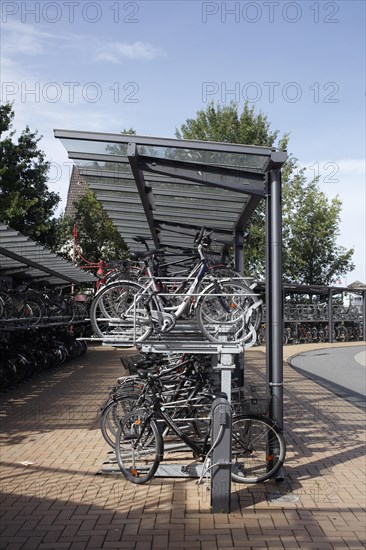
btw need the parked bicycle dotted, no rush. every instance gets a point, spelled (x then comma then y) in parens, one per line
(258, 447)
(226, 309)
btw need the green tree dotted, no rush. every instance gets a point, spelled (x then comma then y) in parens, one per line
(310, 221)
(98, 238)
(26, 204)
(311, 253)
(223, 123)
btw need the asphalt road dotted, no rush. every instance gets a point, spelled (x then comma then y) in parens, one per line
(342, 369)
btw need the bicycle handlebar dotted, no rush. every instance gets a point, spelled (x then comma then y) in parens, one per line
(203, 237)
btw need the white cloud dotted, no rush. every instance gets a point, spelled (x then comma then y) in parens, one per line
(21, 38)
(115, 52)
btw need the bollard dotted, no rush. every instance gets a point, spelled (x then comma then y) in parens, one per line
(221, 456)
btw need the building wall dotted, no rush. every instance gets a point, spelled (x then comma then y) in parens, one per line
(77, 188)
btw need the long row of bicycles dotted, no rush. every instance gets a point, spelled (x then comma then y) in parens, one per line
(25, 354)
(319, 312)
(25, 306)
(150, 297)
(163, 408)
(307, 333)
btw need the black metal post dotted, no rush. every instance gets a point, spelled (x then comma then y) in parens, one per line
(330, 316)
(238, 251)
(239, 267)
(268, 231)
(275, 298)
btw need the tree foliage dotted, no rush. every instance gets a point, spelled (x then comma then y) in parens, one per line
(26, 204)
(311, 221)
(311, 253)
(223, 123)
(97, 236)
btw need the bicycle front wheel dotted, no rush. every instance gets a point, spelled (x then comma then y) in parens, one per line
(139, 447)
(228, 311)
(258, 449)
(113, 414)
(119, 311)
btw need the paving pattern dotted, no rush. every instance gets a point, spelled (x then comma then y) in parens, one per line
(53, 496)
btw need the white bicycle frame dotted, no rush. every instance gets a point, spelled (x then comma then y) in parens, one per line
(151, 289)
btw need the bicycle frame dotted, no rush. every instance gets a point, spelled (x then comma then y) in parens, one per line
(158, 412)
(151, 289)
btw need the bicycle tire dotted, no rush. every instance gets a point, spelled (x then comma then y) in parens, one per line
(7, 373)
(111, 313)
(233, 316)
(8, 305)
(138, 465)
(112, 414)
(258, 449)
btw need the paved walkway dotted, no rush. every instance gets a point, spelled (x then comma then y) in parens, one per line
(54, 498)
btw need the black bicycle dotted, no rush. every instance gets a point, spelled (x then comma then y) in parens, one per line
(258, 446)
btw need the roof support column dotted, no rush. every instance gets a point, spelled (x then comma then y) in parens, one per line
(239, 267)
(238, 251)
(330, 316)
(274, 296)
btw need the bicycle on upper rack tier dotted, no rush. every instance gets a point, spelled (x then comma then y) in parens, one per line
(226, 309)
(258, 446)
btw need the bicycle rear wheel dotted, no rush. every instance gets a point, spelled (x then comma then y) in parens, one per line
(139, 447)
(118, 311)
(228, 311)
(258, 449)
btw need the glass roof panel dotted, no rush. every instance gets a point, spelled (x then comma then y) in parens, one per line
(95, 147)
(230, 160)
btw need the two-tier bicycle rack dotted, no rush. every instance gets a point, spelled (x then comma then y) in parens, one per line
(169, 189)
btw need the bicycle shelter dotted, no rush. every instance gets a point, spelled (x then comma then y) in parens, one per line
(168, 189)
(22, 257)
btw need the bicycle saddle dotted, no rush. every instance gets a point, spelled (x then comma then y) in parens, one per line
(216, 395)
(138, 254)
(140, 239)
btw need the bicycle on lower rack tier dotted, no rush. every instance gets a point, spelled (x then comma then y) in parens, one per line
(258, 446)
(226, 309)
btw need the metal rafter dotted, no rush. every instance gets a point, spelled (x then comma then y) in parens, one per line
(232, 179)
(143, 190)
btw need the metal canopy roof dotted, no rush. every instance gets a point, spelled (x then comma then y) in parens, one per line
(21, 255)
(169, 188)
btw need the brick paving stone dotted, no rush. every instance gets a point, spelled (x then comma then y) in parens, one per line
(78, 545)
(55, 545)
(143, 546)
(185, 544)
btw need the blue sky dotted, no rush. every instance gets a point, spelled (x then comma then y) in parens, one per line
(109, 65)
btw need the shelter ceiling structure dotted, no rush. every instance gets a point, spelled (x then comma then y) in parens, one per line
(167, 188)
(21, 256)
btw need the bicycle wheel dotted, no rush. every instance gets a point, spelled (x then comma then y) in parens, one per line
(112, 414)
(139, 447)
(200, 412)
(258, 449)
(228, 311)
(119, 311)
